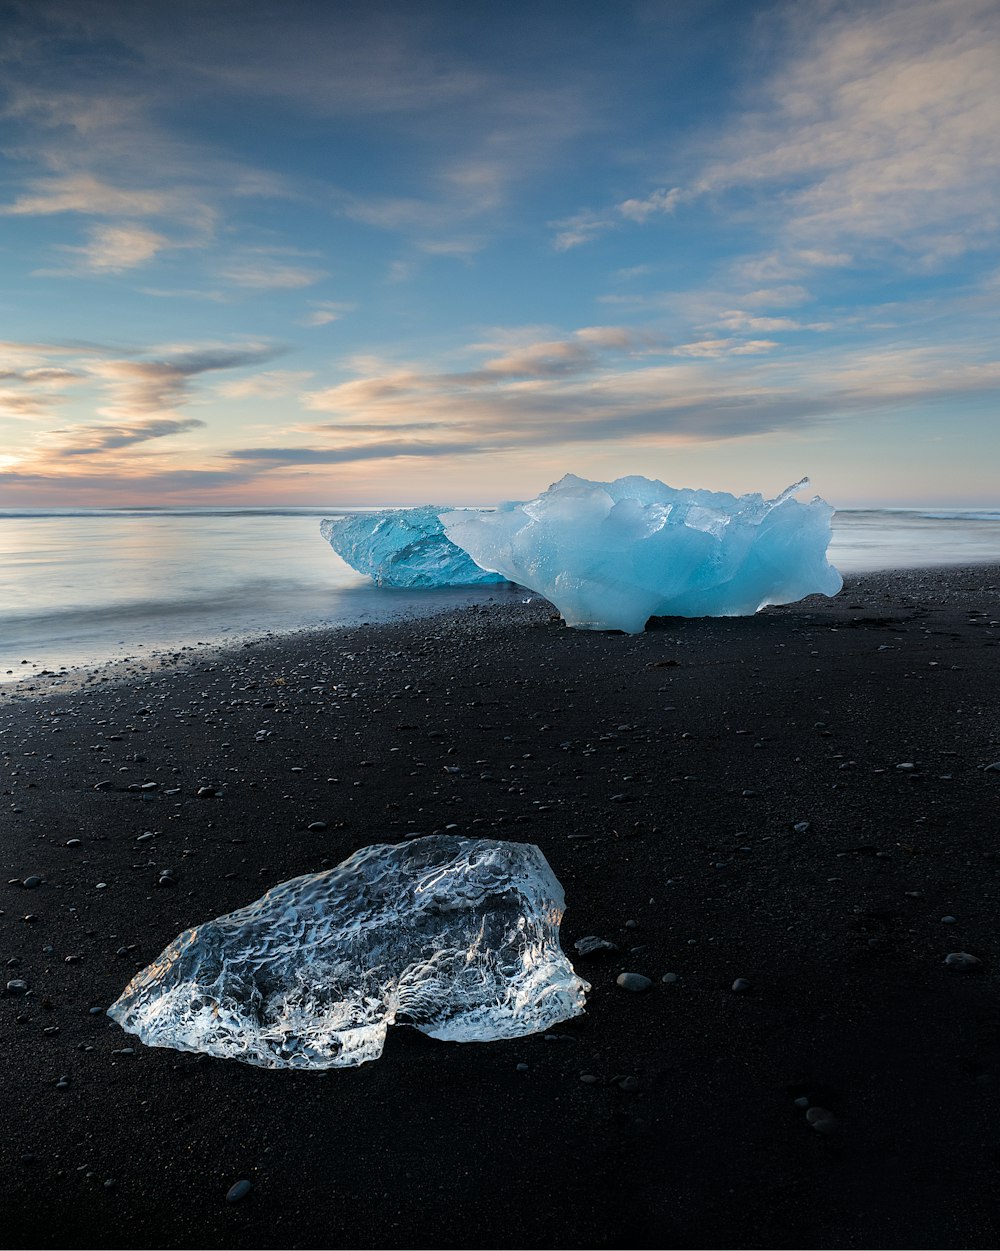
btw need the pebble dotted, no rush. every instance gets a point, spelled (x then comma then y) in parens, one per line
(73, 842)
(17, 986)
(31, 882)
(521, 1068)
(591, 943)
(741, 984)
(588, 1079)
(949, 920)
(239, 1190)
(800, 827)
(962, 960)
(822, 1120)
(634, 982)
(669, 978)
(316, 826)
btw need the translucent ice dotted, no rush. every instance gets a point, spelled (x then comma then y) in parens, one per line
(610, 555)
(457, 937)
(404, 547)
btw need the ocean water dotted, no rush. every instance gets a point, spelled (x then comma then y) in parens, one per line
(83, 587)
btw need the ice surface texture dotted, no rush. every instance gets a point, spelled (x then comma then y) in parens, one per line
(610, 555)
(457, 937)
(404, 547)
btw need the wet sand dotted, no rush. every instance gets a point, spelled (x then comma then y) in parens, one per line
(722, 799)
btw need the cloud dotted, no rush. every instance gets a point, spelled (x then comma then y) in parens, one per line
(271, 383)
(267, 275)
(85, 193)
(153, 386)
(714, 348)
(324, 312)
(388, 450)
(881, 124)
(113, 249)
(658, 202)
(875, 134)
(92, 440)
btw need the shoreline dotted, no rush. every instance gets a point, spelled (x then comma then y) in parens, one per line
(730, 785)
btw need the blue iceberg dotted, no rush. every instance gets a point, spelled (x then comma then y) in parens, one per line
(403, 547)
(610, 555)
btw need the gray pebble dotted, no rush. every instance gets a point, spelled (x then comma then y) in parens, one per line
(669, 978)
(962, 960)
(521, 1068)
(17, 987)
(31, 882)
(239, 1190)
(949, 920)
(634, 982)
(316, 826)
(822, 1121)
(741, 984)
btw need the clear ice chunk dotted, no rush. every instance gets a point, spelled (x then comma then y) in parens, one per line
(610, 555)
(457, 937)
(403, 547)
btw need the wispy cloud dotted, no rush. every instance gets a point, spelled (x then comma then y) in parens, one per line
(113, 249)
(263, 274)
(92, 440)
(878, 131)
(270, 383)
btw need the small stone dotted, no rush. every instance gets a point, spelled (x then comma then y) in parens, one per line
(591, 944)
(239, 1190)
(205, 792)
(64, 1082)
(629, 1084)
(741, 984)
(30, 883)
(316, 826)
(669, 978)
(963, 961)
(73, 842)
(992, 768)
(521, 1068)
(802, 1102)
(822, 1121)
(589, 1079)
(17, 986)
(949, 920)
(800, 827)
(635, 982)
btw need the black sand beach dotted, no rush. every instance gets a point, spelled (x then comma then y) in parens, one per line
(798, 800)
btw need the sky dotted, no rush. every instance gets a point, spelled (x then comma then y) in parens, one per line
(321, 253)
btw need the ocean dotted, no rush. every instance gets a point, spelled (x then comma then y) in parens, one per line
(83, 587)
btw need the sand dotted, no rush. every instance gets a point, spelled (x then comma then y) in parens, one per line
(722, 799)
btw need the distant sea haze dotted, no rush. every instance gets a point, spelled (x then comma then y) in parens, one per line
(83, 586)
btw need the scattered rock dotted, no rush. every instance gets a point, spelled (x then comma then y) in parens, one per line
(741, 984)
(963, 961)
(239, 1190)
(634, 982)
(822, 1121)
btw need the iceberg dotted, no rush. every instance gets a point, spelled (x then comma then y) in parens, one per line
(610, 555)
(456, 937)
(403, 547)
